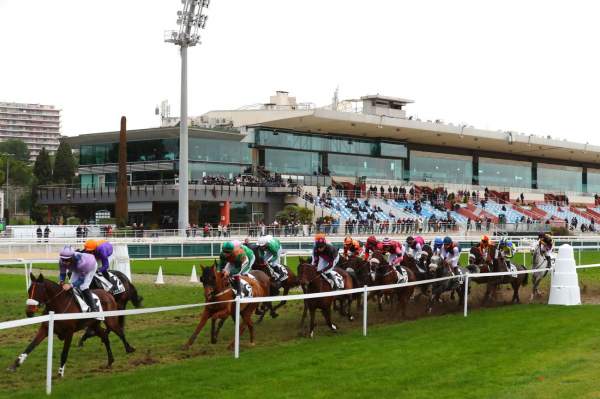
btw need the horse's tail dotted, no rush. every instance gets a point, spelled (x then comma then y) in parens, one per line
(135, 298)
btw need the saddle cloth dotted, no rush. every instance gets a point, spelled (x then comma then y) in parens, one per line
(246, 288)
(114, 285)
(337, 282)
(513, 269)
(402, 276)
(83, 304)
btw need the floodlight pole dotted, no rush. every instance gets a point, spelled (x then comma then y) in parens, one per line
(190, 20)
(184, 205)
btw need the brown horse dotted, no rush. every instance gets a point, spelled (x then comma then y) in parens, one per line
(289, 283)
(130, 294)
(420, 268)
(223, 292)
(496, 263)
(55, 298)
(313, 281)
(387, 274)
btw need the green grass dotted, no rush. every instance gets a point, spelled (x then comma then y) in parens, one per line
(527, 351)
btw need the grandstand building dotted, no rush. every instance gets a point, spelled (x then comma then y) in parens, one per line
(357, 144)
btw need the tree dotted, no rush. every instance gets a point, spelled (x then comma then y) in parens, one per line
(42, 173)
(64, 165)
(42, 168)
(16, 147)
(294, 213)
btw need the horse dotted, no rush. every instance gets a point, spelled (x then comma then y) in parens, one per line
(420, 268)
(438, 269)
(56, 299)
(130, 294)
(260, 284)
(498, 264)
(312, 281)
(387, 274)
(290, 282)
(538, 261)
(359, 272)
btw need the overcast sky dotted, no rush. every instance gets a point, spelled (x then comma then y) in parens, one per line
(528, 66)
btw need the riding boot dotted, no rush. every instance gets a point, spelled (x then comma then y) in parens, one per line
(236, 285)
(105, 275)
(87, 297)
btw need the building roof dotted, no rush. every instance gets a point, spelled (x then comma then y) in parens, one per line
(323, 121)
(151, 134)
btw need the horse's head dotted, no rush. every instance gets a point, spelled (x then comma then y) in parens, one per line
(475, 256)
(434, 263)
(36, 295)
(307, 272)
(208, 279)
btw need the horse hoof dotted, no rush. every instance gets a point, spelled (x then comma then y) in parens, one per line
(333, 327)
(131, 349)
(351, 318)
(12, 368)
(274, 315)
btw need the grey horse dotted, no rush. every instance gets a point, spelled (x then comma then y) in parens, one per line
(437, 269)
(539, 261)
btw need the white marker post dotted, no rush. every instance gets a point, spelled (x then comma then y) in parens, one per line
(49, 360)
(236, 353)
(365, 311)
(466, 298)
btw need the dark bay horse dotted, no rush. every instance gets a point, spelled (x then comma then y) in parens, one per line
(438, 269)
(387, 274)
(55, 298)
(130, 294)
(289, 283)
(222, 291)
(420, 268)
(313, 282)
(495, 263)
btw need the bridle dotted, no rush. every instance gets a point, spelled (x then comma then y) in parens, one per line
(35, 303)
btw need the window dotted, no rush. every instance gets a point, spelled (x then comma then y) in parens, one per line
(559, 178)
(504, 173)
(445, 168)
(293, 162)
(352, 165)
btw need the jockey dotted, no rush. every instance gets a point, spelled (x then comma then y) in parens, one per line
(414, 246)
(269, 249)
(83, 268)
(352, 248)
(506, 247)
(436, 245)
(372, 245)
(395, 249)
(325, 257)
(102, 250)
(235, 262)
(451, 254)
(545, 244)
(484, 246)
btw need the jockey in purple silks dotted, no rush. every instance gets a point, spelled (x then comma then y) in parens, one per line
(83, 268)
(102, 250)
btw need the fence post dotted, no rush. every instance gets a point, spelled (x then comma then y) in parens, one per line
(365, 310)
(49, 360)
(26, 277)
(236, 353)
(466, 298)
(579, 255)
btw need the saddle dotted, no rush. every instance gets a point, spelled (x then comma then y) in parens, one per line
(336, 281)
(83, 306)
(113, 285)
(402, 275)
(245, 287)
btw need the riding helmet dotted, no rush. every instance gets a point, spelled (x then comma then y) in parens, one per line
(348, 240)
(228, 247)
(372, 240)
(90, 245)
(67, 252)
(438, 241)
(447, 240)
(409, 239)
(262, 241)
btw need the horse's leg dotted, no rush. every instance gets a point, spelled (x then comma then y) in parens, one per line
(286, 290)
(87, 334)
(113, 324)
(199, 327)
(303, 319)
(219, 326)
(104, 337)
(516, 283)
(65, 354)
(248, 320)
(327, 315)
(380, 301)
(349, 307)
(311, 331)
(39, 337)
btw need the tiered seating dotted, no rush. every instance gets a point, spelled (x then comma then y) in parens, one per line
(427, 211)
(562, 213)
(339, 208)
(511, 214)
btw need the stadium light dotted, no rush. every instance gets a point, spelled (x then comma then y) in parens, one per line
(190, 20)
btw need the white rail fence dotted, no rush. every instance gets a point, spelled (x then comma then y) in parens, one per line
(52, 317)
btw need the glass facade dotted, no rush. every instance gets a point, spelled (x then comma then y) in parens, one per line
(137, 151)
(444, 168)
(292, 162)
(353, 165)
(215, 150)
(320, 143)
(200, 169)
(504, 173)
(559, 178)
(593, 181)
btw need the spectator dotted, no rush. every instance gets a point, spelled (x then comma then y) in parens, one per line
(39, 233)
(46, 233)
